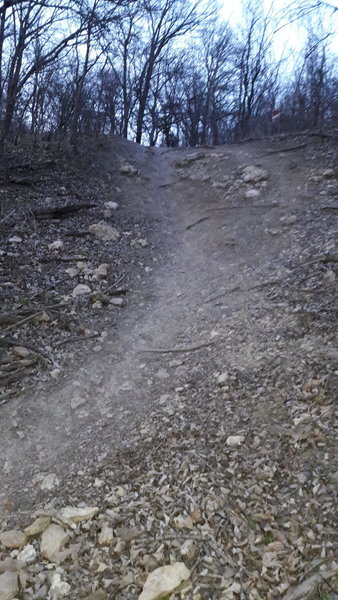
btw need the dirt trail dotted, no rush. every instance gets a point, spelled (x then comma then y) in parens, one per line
(218, 307)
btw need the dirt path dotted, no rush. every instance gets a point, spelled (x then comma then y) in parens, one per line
(226, 316)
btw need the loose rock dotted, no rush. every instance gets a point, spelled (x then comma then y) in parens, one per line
(13, 538)
(164, 580)
(52, 540)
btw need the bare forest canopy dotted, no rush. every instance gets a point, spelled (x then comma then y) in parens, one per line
(162, 71)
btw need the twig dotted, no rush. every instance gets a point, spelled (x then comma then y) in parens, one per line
(25, 320)
(77, 339)
(328, 207)
(237, 287)
(7, 216)
(289, 149)
(264, 284)
(177, 350)
(197, 223)
(67, 259)
(246, 206)
(325, 258)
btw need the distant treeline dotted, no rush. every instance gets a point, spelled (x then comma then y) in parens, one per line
(161, 71)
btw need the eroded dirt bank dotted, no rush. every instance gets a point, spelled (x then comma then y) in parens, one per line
(201, 425)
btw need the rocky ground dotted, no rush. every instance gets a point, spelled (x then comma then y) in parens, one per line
(187, 451)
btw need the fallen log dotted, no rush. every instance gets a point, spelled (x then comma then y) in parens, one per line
(61, 212)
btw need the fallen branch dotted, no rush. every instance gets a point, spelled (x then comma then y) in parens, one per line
(79, 338)
(328, 207)
(264, 284)
(177, 350)
(67, 259)
(197, 223)
(60, 212)
(246, 206)
(324, 258)
(289, 149)
(22, 321)
(234, 289)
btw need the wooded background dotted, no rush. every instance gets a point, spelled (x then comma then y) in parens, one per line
(162, 71)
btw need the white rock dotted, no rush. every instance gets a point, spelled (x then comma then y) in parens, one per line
(102, 270)
(128, 170)
(254, 174)
(289, 220)
(81, 290)
(13, 538)
(72, 272)
(328, 173)
(252, 193)
(112, 205)
(164, 580)
(28, 554)
(223, 378)
(103, 231)
(49, 481)
(235, 440)
(9, 585)
(116, 301)
(59, 588)
(15, 239)
(71, 513)
(189, 550)
(106, 535)
(52, 540)
(57, 245)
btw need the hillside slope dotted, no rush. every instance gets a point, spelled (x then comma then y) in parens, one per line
(200, 421)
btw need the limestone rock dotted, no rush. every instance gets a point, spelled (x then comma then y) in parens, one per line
(106, 535)
(81, 290)
(52, 540)
(28, 554)
(9, 585)
(252, 193)
(38, 526)
(328, 173)
(128, 170)
(254, 174)
(13, 538)
(105, 232)
(59, 588)
(164, 580)
(57, 245)
(235, 440)
(71, 513)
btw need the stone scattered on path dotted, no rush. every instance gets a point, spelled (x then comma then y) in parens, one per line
(81, 290)
(252, 174)
(128, 170)
(13, 539)
(104, 231)
(52, 540)
(9, 585)
(164, 581)
(71, 513)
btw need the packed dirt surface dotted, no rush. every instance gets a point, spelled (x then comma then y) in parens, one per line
(189, 402)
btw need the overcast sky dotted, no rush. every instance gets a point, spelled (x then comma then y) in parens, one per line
(290, 38)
